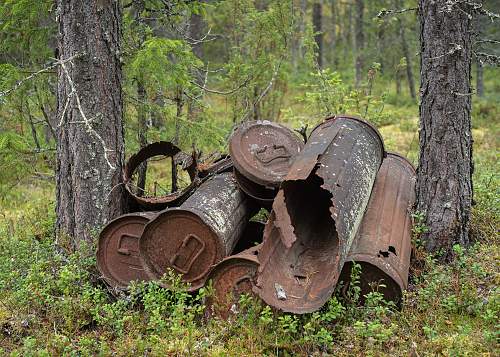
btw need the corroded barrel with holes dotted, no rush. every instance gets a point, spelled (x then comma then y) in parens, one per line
(232, 277)
(316, 214)
(118, 249)
(191, 238)
(383, 244)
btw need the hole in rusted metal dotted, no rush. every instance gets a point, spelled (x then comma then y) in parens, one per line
(384, 254)
(392, 250)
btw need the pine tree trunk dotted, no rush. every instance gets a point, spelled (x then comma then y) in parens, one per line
(444, 178)
(302, 25)
(90, 146)
(196, 32)
(142, 129)
(359, 40)
(406, 53)
(333, 44)
(318, 34)
(479, 79)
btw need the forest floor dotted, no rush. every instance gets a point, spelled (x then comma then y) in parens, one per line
(52, 302)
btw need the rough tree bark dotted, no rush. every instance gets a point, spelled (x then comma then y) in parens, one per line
(479, 27)
(90, 145)
(142, 131)
(444, 176)
(317, 28)
(479, 79)
(137, 9)
(406, 53)
(359, 41)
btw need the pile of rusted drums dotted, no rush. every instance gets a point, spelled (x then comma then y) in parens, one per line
(335, 200)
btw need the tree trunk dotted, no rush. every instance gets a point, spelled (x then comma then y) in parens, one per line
(406, 53)
(444, 177)
(359, 40)
(90, 144)
(142, 129)
(302, 26)
(479, 79)
(333, 49)
(196, 31)
(398, 82)
(479, 26)
(318, 34)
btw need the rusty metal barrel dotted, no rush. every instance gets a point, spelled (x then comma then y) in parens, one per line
(232, 277)
(262, 153)
(118, 249)
(316, 214)
(383, 243)
(191, 238)
(160, 148)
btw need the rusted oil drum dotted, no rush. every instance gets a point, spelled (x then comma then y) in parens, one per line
(383, 243)
(118, 249)
(262, 153)
(160, 148)
(201, 232)
(316, 214)
(232, 277)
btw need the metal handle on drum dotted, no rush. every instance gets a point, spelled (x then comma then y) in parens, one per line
(190, 259)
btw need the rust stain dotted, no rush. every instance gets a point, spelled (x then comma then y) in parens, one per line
(118, 249)
(316, 214)
(262, 152)
(232, 277)
(383, 242)
(201, 232)
(162, 148)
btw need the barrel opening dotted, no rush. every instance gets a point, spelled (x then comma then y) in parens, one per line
(316, 249)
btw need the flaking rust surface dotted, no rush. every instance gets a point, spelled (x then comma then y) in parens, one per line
(160, 148)
(383, 242)
(199, 233)
(118, 249)
(233, 276)
(262, 152)
(306, 243)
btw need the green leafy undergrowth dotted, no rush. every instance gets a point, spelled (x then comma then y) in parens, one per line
(53, 303)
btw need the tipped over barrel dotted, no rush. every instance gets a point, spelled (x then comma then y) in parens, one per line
(383, 244)
(316, 214)
(262, 153)
(201, 232)
(118, 249)
(231, 278)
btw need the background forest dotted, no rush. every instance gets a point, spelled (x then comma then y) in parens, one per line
(191, 71)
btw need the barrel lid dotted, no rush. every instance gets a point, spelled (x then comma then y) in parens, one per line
(263, 151)
(179, 239)
(118, 250)
(233, 276)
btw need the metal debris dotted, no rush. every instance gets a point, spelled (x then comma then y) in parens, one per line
(262, 152)
(383, 244)
(198, 234)
(317, 212)
(335, 200)
(160, 148)
(232, 277)
(118, 249)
